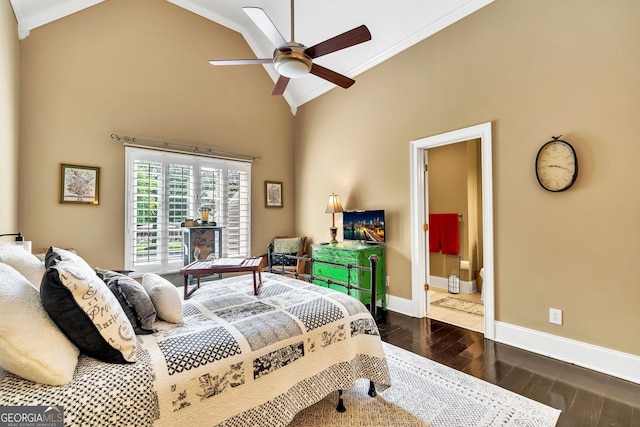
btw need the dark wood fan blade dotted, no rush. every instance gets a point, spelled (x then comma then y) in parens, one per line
(280, 86)
(240, 61)
(332, 76)
(262, 21)
(350, 38)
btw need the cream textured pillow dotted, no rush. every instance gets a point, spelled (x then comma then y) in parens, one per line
(165, 297)
(31, 345)
(24, 262)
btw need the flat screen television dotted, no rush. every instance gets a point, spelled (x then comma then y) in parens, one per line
(366, 226)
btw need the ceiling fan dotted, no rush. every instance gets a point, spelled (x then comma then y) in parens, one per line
(293, 59)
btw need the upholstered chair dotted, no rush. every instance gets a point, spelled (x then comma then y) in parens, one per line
(289, 246)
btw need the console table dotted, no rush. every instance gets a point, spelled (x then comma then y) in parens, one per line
(355, 254)
(201, 243)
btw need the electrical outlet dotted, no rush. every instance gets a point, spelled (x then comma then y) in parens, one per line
(555, 316)
(387, 281)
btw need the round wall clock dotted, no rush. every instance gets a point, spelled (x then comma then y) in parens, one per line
(556, 165)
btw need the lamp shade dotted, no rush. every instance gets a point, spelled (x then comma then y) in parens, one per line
(334, 205)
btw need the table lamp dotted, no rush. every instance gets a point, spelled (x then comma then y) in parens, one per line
(333, 206)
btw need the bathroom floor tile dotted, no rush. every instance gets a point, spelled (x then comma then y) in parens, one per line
(453, 317)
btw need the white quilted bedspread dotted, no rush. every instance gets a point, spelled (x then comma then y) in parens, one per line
(238, 360)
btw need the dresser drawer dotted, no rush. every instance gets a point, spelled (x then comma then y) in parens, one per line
(339, 274)
(339, 256)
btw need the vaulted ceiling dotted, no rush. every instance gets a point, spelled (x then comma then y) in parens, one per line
(394, 26)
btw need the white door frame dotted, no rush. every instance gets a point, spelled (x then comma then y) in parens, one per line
(418, 236)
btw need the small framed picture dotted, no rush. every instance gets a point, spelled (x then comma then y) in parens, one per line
(272, 194)
(79, 184)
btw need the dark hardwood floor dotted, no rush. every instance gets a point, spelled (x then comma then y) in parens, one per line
(586, 398)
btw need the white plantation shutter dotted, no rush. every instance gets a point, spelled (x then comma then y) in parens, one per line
(236, 198)
(227, 191)
(165, 188)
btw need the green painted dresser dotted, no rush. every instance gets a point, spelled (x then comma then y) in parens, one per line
(355, 254)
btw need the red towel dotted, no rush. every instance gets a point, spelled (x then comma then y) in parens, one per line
(450, 237)
(435, 230)
(444, 233)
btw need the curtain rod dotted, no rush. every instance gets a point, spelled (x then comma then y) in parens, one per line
(186, 149)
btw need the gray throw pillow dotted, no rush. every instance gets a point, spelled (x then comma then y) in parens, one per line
(134, 300)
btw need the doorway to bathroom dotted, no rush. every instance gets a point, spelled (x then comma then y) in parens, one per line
(453, 208)
(421, 275)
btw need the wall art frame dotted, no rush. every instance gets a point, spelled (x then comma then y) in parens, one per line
(79, 184)
(272, 194)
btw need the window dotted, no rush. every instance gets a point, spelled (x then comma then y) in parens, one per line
(163, 189)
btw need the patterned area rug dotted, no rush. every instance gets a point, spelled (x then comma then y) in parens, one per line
(427, 394)
(462, 305)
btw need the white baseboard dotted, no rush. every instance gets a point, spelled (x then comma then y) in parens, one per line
(443, 283)
(400, 305)
(601, 359)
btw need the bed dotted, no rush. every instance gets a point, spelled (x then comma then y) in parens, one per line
(237, 360)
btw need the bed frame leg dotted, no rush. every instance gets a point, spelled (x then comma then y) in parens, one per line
(340, 407)
(372, 389)
(372, 393)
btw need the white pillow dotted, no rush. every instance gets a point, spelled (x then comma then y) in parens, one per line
(164, 296)
(26, 263)
(31, 345)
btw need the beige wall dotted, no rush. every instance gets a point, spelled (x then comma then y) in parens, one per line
(139, 68)
(9, 104)
(534, 69)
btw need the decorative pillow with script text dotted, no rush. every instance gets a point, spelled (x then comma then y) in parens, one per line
(88, 313)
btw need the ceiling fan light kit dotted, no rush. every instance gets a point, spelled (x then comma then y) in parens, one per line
(292, 64)
(293, 60)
